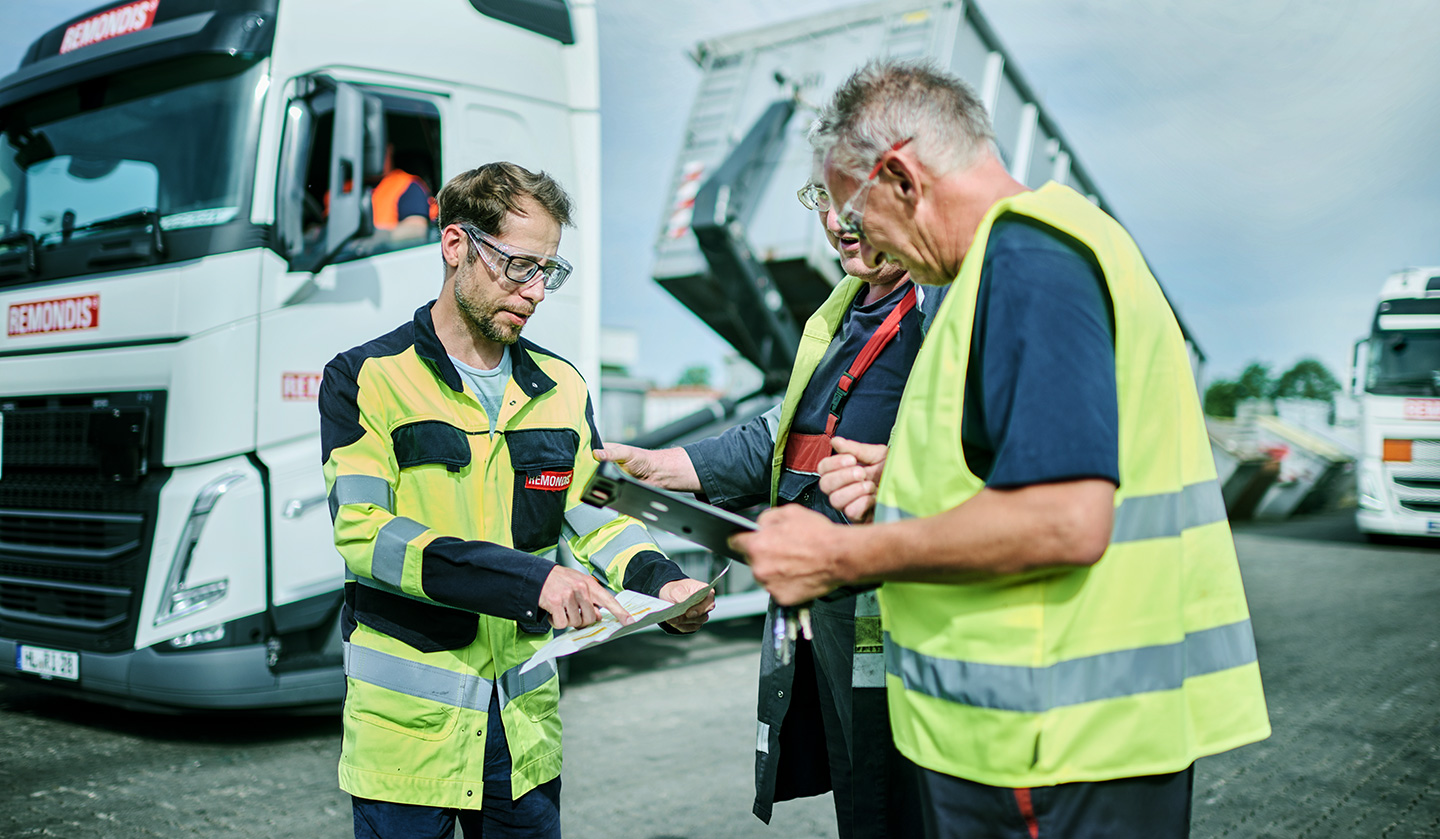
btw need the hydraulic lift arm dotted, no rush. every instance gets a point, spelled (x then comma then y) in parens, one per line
(751, 313)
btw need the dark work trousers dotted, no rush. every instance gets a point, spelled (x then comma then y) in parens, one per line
(536, 815)
(876, 792)
(1148, 807)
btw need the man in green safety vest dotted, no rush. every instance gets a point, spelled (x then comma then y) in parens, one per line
(1064, 622)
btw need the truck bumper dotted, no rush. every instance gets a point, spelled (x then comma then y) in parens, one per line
(225, 679)
(1367, 521)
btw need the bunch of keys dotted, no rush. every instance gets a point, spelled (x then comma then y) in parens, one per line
(791, 622)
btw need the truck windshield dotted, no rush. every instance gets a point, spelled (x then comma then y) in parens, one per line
(171, 139)
(1404, 363)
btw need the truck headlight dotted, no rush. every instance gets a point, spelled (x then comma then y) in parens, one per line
(1369, 495)
(179, 598)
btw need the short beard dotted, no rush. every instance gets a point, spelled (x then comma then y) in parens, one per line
(480, 320)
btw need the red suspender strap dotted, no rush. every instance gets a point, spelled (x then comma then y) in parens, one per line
(1027, 812)
(803, 452)
(889, 328)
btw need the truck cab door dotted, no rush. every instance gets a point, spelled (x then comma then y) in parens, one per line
(314, 226)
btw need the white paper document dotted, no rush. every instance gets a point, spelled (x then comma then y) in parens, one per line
(646, 610)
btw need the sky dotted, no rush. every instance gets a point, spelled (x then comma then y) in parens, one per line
(1274, 159)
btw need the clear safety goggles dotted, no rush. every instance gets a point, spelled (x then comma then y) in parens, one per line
(519, 268)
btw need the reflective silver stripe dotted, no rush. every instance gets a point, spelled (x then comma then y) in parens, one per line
(413, 678)
(885, 514)
(361, 489)
(867, 670)
(628, 538)
(389, 558)
(1104, 676)
(564, 555)
(1140, 517)
(513, 683)
(1169, 513)
(583, 518)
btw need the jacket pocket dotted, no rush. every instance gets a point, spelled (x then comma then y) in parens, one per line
(542, 702)
(431, 441)
(544, 464)
(399, 694)
(419, 718)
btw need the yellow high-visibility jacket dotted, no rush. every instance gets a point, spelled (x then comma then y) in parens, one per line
(1135, 666)
(448, 534)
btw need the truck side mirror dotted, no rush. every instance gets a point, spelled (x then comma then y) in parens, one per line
(376, 139)
(1359, 358)
(346, 218)
(356, 145)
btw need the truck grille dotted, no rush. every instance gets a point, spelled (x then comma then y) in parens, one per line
(1416, 485)
(95, 536)
(79, 492)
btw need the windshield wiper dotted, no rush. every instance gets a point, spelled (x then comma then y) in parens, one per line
(134, 217)
(1420, 384)
(1417, 379)
(137, 250)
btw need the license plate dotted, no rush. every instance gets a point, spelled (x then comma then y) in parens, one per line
(1432, 527)
(47, 664)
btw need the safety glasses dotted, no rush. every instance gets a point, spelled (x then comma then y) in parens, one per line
(518, 268)
(851, 218)
(814, 197)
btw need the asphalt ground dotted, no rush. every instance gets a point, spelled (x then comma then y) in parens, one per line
(660, 731)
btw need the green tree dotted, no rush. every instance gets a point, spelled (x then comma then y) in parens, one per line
(696, 376)
(1308, 379)
(1222, 396)
(1255, 381)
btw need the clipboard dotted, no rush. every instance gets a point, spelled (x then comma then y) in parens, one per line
(672, 512)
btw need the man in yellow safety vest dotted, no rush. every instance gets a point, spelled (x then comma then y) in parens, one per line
(1065, 627)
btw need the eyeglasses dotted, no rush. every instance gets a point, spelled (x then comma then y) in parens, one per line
(519, 268)
(851, 219)
(814, 197)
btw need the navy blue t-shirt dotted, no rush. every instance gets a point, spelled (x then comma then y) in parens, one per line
(1040, 395)
(414, 201)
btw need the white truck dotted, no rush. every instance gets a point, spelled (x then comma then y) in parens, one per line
(185, 244)
(1396, 379)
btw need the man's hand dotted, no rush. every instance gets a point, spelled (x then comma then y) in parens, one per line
(665, 468)
(851, 476)
(794, 553)
(574, 599)
(696, 616)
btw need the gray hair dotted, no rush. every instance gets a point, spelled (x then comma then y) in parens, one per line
(888, 101)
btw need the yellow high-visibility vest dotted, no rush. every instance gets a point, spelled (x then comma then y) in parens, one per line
(1134, 666)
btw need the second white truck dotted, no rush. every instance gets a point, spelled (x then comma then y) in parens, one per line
(1396, 378)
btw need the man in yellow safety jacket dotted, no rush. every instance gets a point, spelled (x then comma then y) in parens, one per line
(455, 453)
(1065, 627)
